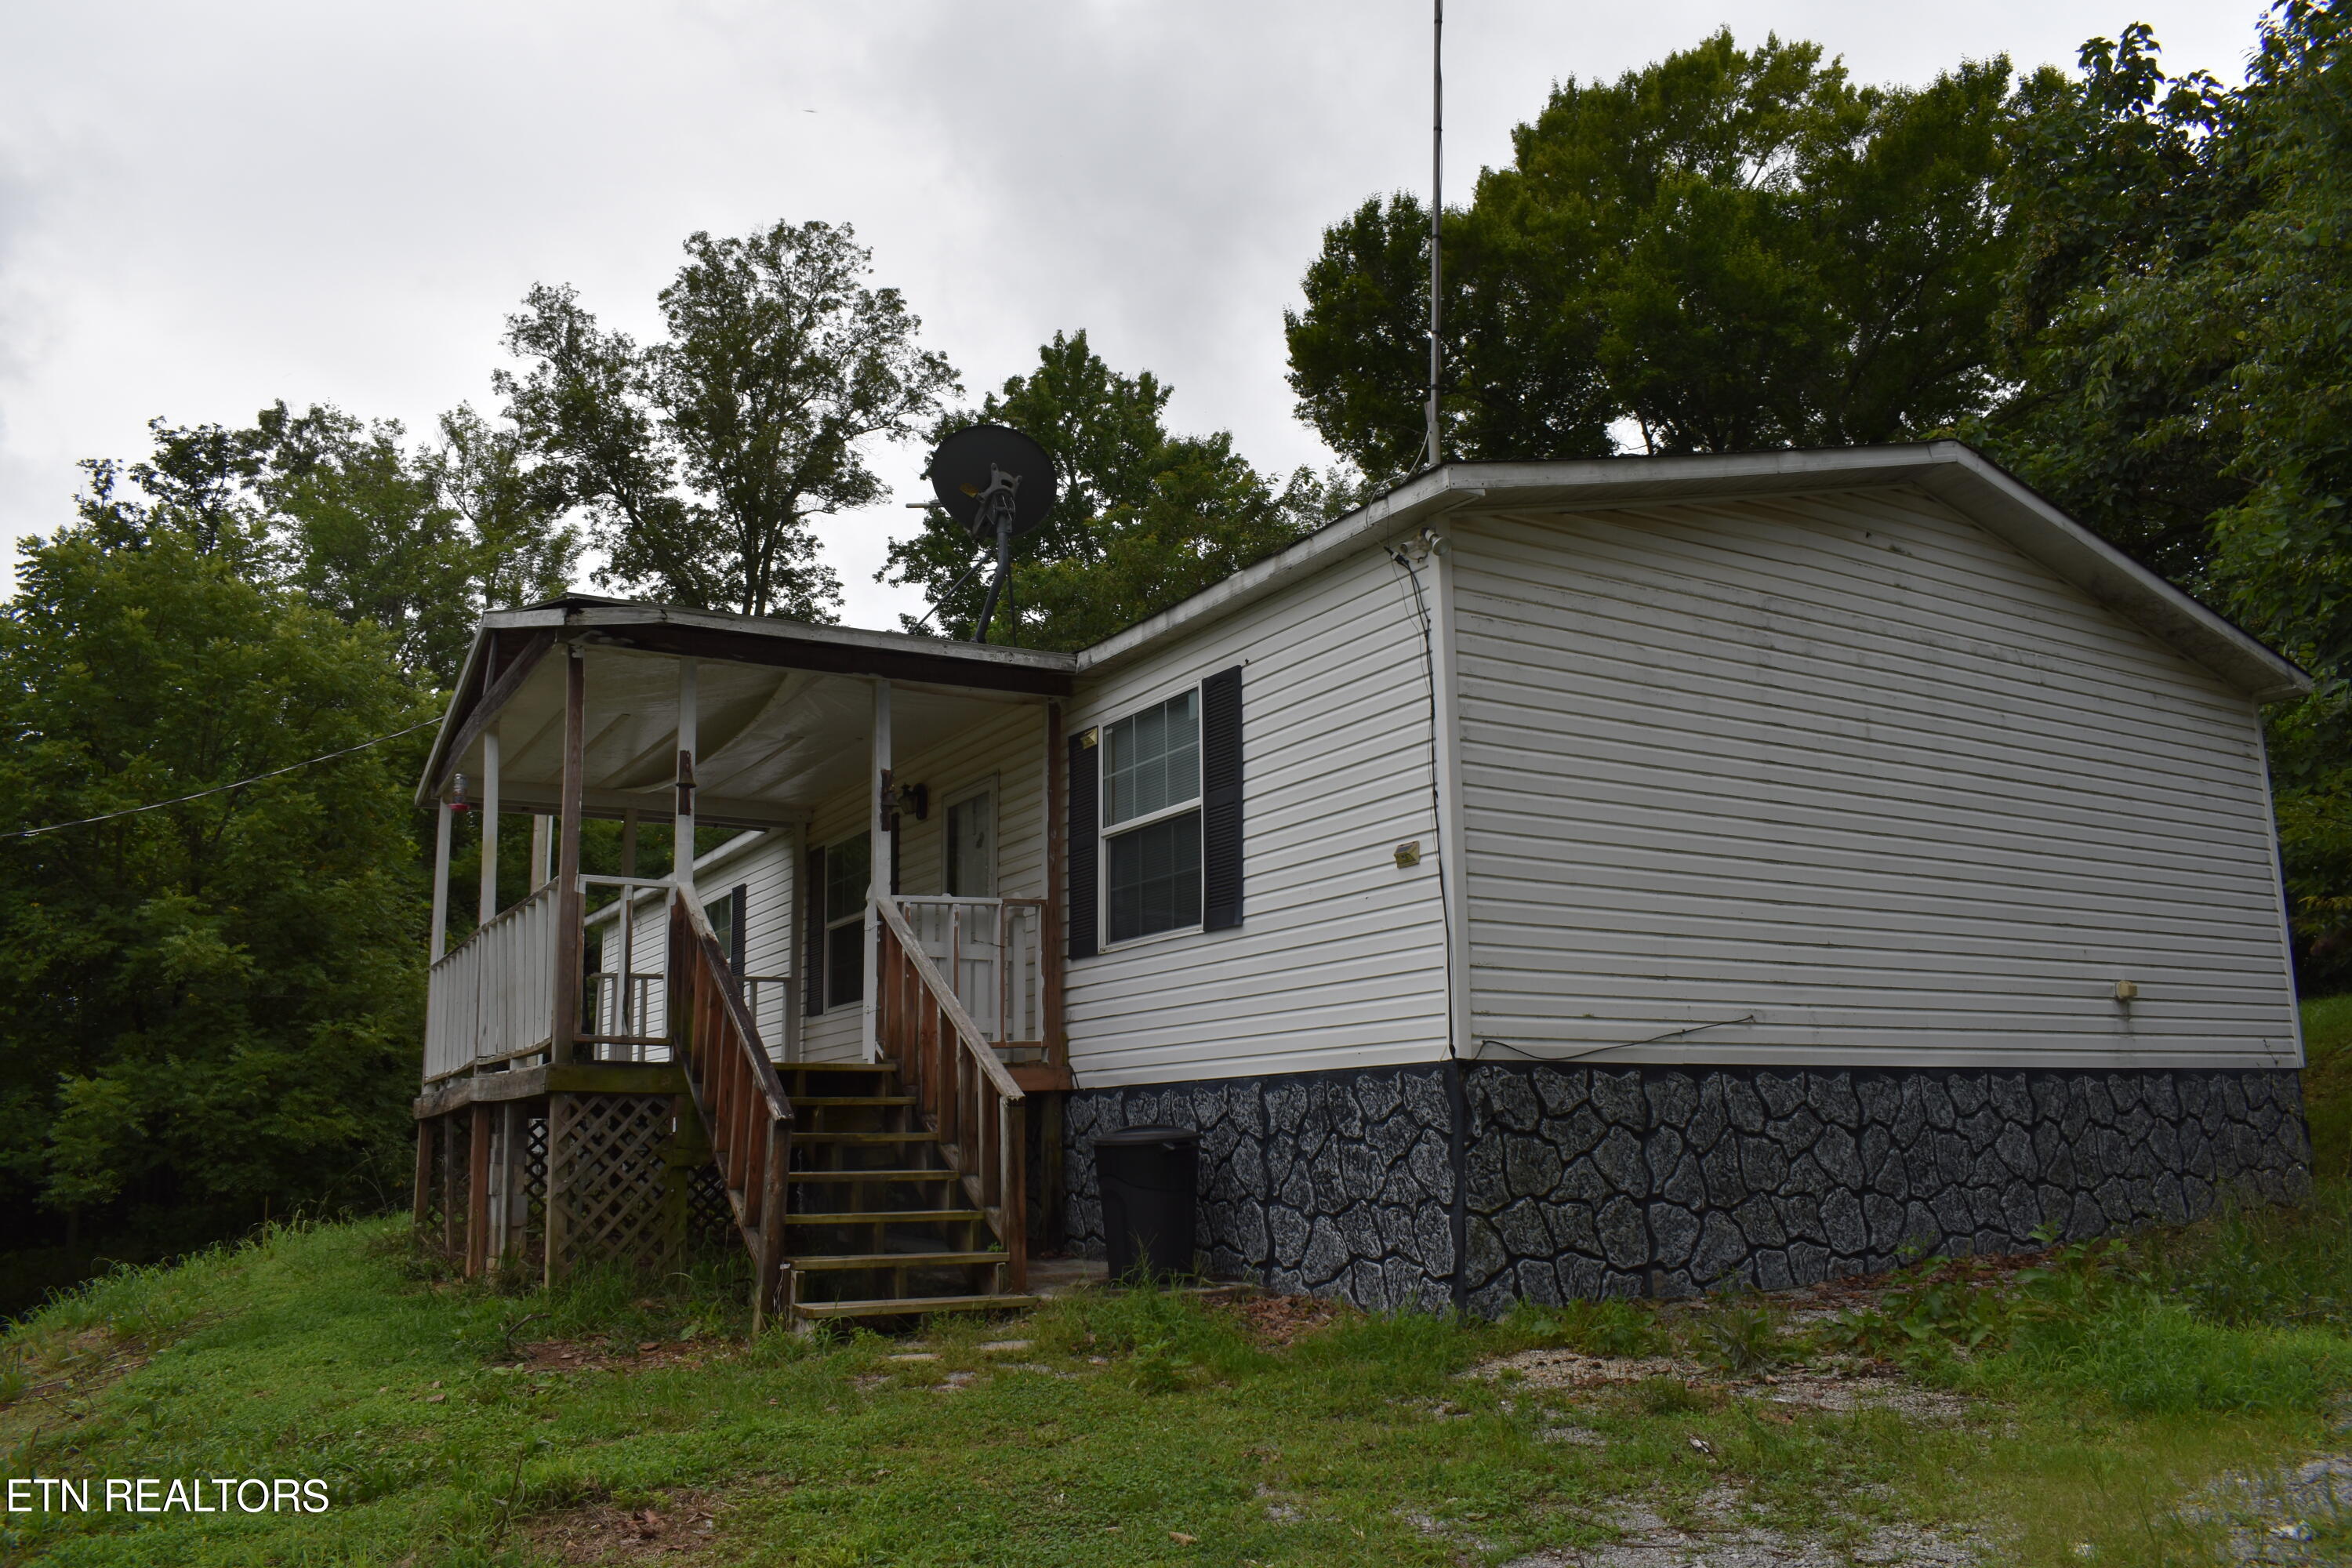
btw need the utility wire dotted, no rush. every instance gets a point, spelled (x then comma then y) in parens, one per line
(218, 789)
(1617, 1044)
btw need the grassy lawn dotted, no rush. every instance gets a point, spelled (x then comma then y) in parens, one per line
(2079, 1410)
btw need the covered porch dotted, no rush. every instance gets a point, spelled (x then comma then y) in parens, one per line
(874, 891)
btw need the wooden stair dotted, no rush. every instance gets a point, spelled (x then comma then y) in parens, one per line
(878, 1222)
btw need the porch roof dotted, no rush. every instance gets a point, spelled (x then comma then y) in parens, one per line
(784, 708)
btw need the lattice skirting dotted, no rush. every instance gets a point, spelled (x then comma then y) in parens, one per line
(441, 1202)
(611, 1197)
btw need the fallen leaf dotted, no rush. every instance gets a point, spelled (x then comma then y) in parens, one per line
(1180, 1538)
(1702, 1445)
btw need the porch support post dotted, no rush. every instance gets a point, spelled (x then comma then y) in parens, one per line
(441, 816)
(514, 1204)
(682, 870)
(796, 943)
(424, 1190)
(1049, 936)
(449, 1218)
(477, 1193)
(566, 1027)
(488, 907)
(538, 826)
(878, 862)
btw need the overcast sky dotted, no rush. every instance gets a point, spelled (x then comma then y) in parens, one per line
(204, 208)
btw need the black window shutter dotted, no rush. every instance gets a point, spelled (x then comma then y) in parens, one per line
(735, 902)
(1086, 844)
(1221, 800)
(812, 935)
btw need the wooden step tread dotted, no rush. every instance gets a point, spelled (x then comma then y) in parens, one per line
(886, 1216)
(910, 1305)
(890, 1175)
(866, 1137)
(886, 1065)
(819, 1101)
(820, 1261)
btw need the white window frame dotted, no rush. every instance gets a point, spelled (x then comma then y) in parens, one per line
(828, 925)
(986, 786)
(1105, 831)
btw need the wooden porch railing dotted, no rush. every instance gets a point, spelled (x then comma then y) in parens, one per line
(736, 1088)
(992, 950)
(961, 1091)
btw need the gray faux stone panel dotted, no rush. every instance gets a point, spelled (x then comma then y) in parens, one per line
(1591, 1181)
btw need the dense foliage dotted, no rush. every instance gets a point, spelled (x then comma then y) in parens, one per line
(1145, 518)
(214, 1006)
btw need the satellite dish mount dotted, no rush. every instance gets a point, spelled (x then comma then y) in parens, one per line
(1000, 485)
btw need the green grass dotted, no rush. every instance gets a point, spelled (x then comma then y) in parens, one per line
(2102, 1393)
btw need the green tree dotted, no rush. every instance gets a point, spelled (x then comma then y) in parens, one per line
(1145, 518)
(779, 369)
(2177, 335)
(1730, 249)
(416, 540)
(214, 1006)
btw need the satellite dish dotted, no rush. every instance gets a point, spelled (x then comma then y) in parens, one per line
(985, 470)
(1000, 485)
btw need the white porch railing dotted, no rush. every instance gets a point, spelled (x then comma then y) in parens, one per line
(992, 952)
(490, 1001)
(492, 998)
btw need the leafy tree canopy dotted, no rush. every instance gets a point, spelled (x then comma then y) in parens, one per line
(416, 542)
(1145, 519)
(1730, 249)
(701, 458)
(213, 1006)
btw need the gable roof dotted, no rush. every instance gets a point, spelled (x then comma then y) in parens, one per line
(1954, 472)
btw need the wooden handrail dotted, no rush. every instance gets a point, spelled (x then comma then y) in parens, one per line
(735, 1087)
(961, 1091)
(967, 1029)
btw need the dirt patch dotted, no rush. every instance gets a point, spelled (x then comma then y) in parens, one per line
(1279, 1320)
(1572, 1369)
(1715, 1536)
(1838, 1392)
(602, 1352)
(681, 1524)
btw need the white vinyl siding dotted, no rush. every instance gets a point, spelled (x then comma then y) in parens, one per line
(1340, 961)
(1006, 742)
(1849, 768)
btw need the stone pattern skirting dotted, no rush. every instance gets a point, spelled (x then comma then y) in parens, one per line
(1589, 1182)
(1585, 1182)
(1318, 1183)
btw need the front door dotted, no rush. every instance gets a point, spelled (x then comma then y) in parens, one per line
(971, 847)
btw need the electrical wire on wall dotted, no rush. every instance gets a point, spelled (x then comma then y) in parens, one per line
(1429, 543)
(1526, 1055)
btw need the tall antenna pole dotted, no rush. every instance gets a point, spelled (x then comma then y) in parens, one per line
(1437, 214)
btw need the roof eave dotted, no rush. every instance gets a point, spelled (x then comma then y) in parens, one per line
(1953, 471)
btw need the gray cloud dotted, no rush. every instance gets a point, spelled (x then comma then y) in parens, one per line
(204, 208)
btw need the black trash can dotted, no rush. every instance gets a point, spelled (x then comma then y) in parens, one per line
(1145, 1177)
